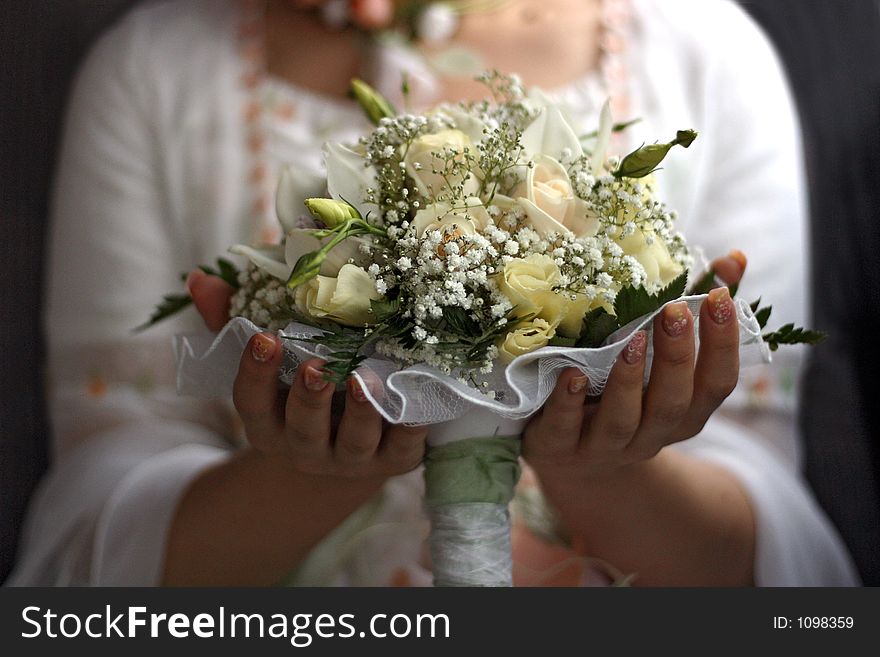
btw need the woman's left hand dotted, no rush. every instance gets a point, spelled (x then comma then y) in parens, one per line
(572, 438)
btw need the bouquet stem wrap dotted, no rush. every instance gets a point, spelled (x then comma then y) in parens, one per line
(469, 483)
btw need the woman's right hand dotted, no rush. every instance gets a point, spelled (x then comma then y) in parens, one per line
(299, 425)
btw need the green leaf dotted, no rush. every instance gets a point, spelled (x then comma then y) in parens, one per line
(633, 302)
(171, 305)
(645, 160)
(754, 305)
(225, 270)
(789, 334)
(705, 284)
(460, 322)
(598, 325)
(675, 289)
(763, 315)
(559, 341)
(384, 309)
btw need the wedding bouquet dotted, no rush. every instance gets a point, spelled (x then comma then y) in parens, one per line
(465, 256)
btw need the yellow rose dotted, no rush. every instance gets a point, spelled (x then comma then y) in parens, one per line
(344, 299)
(527, 337)
(421, 162)
(659, 266)
(549, 202)
(528, 283)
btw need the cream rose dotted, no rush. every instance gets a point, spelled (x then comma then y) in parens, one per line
(344, 299)
(527, 337)
(571, 316)
(654, 257)
(467, 219)
(549, 201)
(421, 161)
(528, 283)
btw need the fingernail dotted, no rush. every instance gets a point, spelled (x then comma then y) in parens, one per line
(634, 352)
(356, 390)
(577, 384)
(192, 277)
(720, 305)
(263, 347)
(675, 319)
(740, 258)
(313, 379)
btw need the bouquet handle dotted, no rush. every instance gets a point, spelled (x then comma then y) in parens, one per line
(469, 483)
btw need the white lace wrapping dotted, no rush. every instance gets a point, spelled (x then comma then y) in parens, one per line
(419, 394)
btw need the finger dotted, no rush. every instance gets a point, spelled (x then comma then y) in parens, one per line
(670, 389)
(717, 369)
(618, 414)
(360, 429)
(255, 391)
(307, 412)
(730, 268)
(402, 447)
(210, 295)
(557, 430)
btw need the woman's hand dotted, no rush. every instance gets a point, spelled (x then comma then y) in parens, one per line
(298, 425)
(571, 440)
(662, 515)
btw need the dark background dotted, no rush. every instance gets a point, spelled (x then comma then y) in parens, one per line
(831, 49)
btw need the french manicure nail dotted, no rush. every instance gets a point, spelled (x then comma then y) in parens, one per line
(635, 350)
(263, 347)
(720, 305)
(577, 384)
(357, 390)
(675, 319)
(313, 379)
(740, 258)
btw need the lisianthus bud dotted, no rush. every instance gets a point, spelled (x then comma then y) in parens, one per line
(330, 211)
(374, 104)
(643, 161)
(305, 269)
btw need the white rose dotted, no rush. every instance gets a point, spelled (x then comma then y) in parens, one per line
(659, 266)
(549, 201)
(527, 337)
(344, 299)
(465, 220)
(425, 155)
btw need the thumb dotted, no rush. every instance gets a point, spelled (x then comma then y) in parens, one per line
(210, 295)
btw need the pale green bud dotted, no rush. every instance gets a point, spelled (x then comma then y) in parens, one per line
(330, 211)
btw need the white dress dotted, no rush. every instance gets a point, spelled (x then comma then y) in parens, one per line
(157, 174)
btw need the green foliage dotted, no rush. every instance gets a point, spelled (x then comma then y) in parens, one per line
(790, 334)
(172, 304)
(598, 325)
(631, 303)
